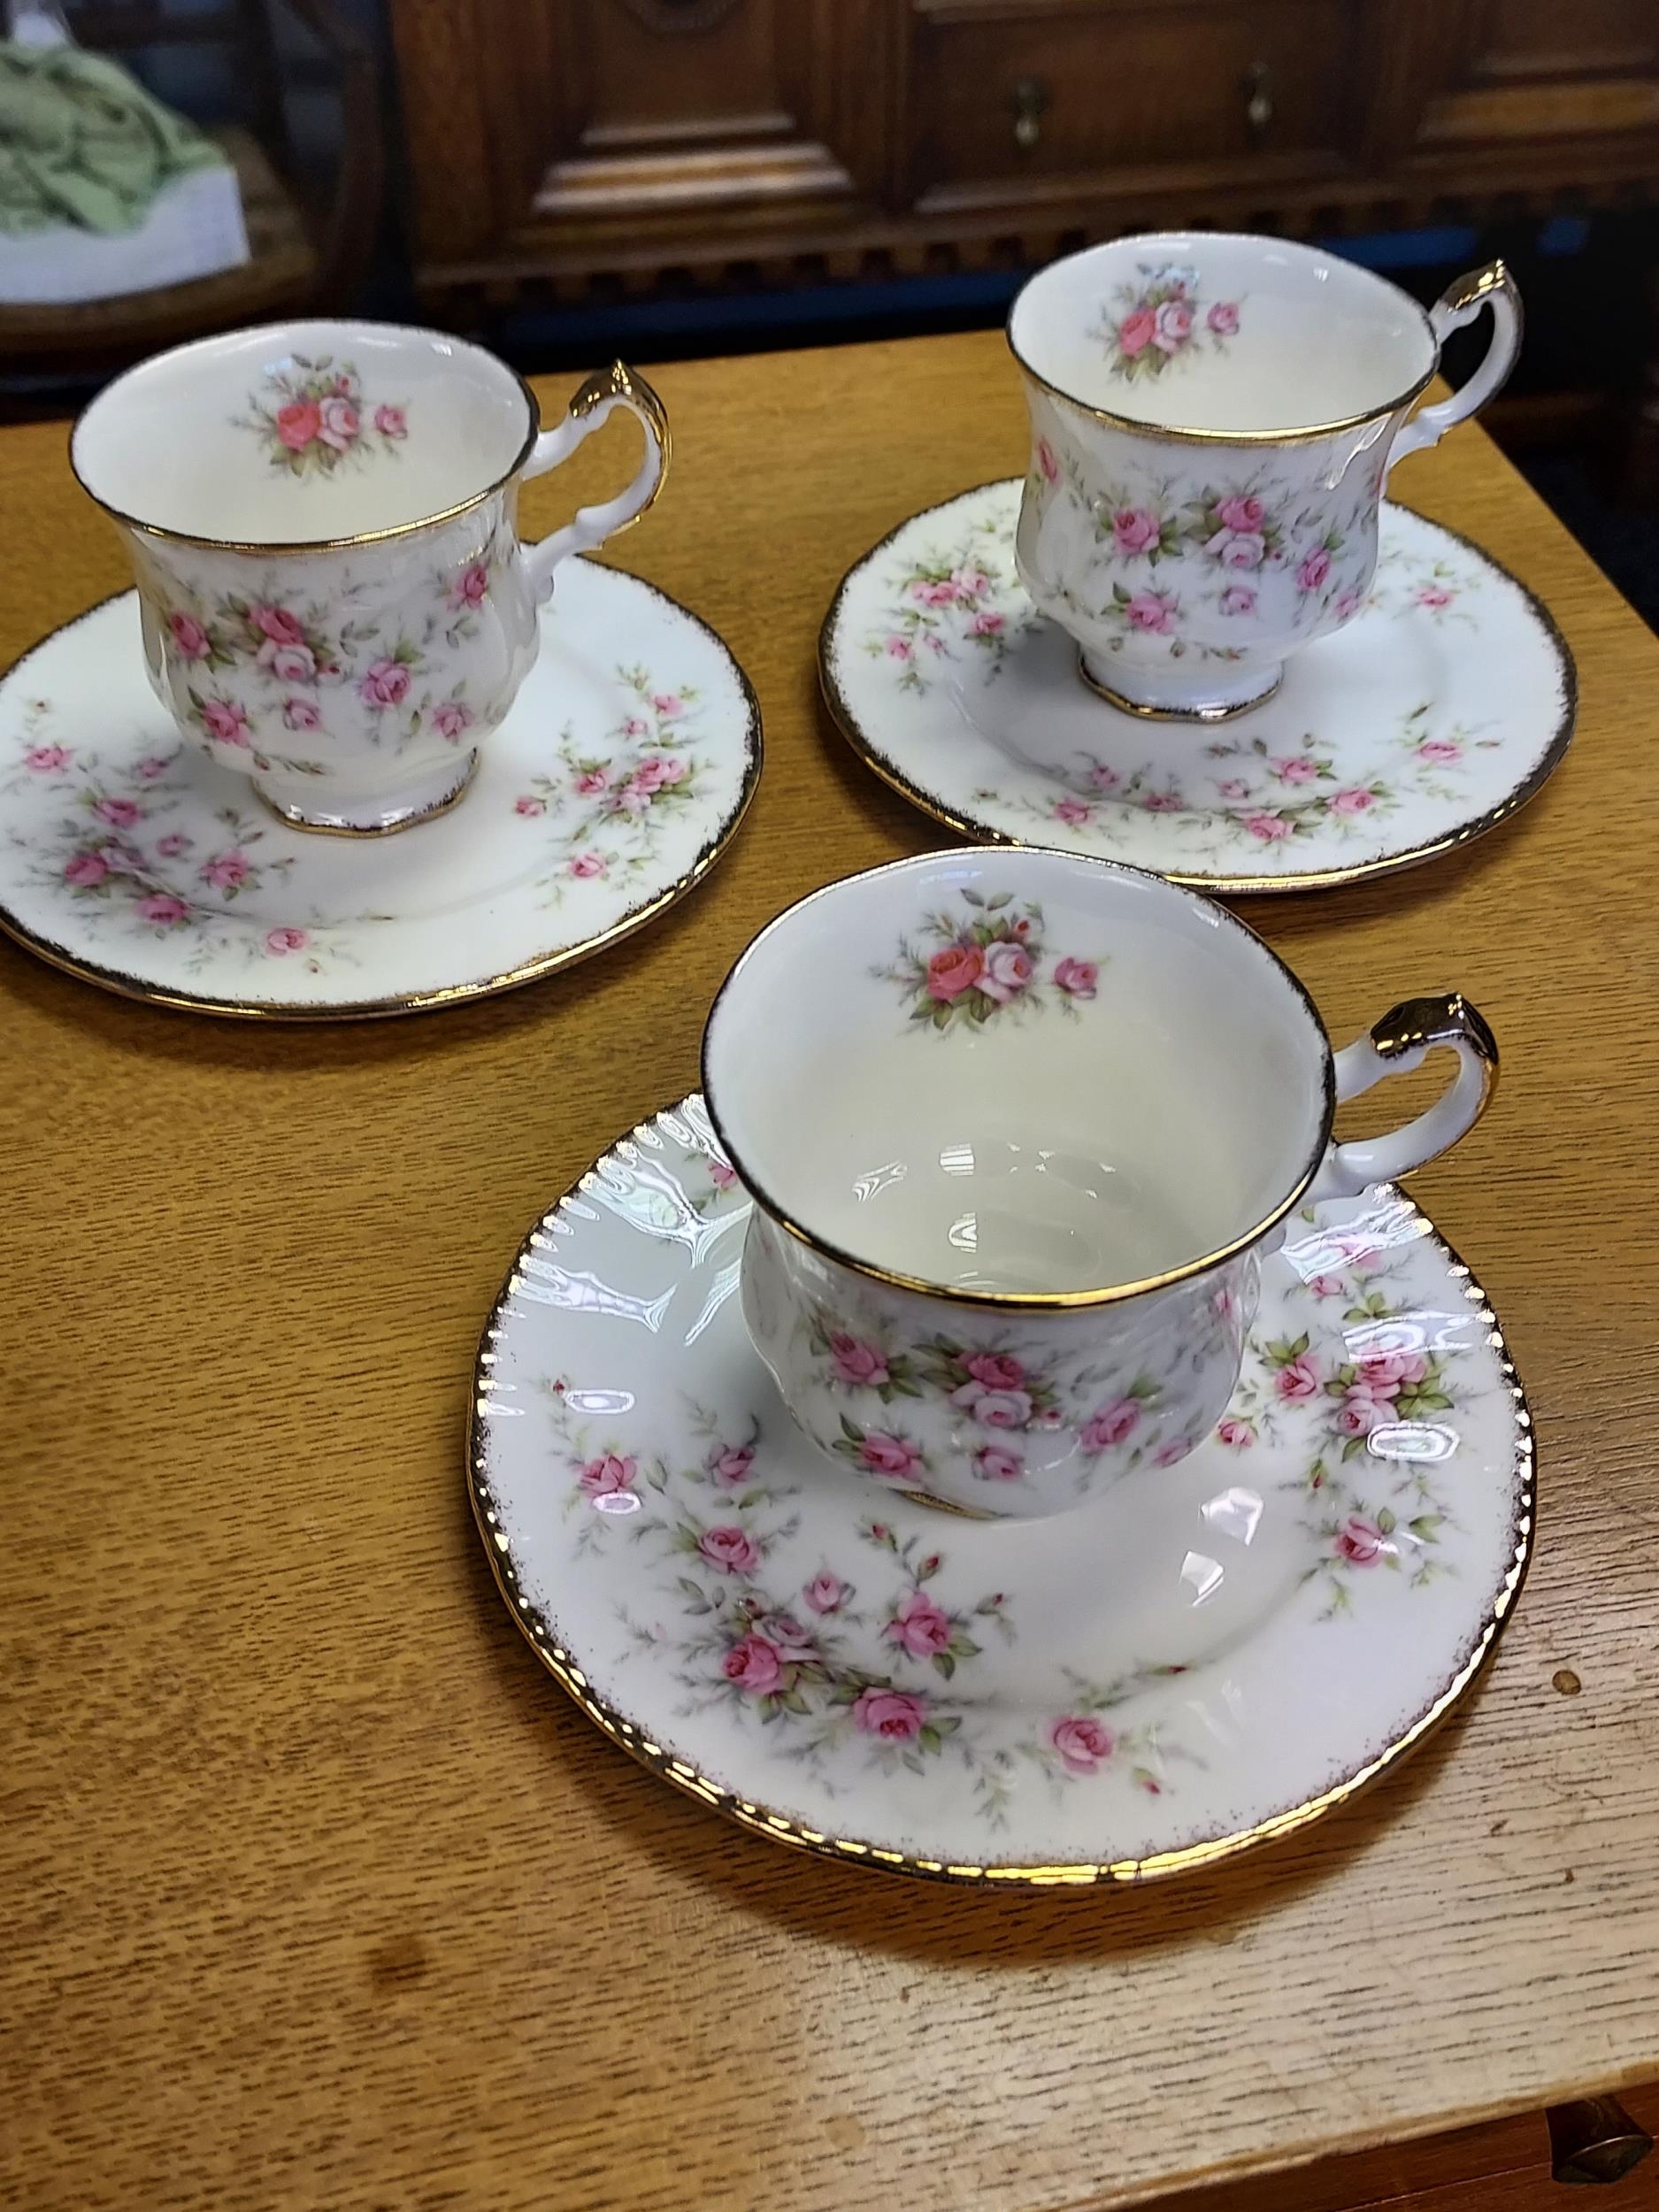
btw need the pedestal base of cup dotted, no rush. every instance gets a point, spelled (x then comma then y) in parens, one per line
(1208, 698)
(295, 799)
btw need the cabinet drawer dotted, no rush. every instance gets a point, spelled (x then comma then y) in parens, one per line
(1004, 94)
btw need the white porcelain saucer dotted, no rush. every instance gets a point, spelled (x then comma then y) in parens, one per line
(613, 785)
(1436, 713)
(1210, 1655)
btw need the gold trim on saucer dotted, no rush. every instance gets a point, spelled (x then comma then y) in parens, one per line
(1126, 705)
(543, 1635)
(56, 956)
(983, 833)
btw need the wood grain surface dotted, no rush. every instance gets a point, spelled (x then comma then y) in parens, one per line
(314, 1891)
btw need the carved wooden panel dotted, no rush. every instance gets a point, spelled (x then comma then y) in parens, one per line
(584, 113)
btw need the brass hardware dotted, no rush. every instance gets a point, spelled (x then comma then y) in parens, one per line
(1031, 97)
(1594, 2141)
(1258, 98)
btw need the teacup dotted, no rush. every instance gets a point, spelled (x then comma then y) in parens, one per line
(322, 519)
(1213, 418)
(1020, 1127)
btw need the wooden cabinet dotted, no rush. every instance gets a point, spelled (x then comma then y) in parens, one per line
(555, 146)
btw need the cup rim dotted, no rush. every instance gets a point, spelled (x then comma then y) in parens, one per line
(1181, 434)
(276, 548)
(1025, 1300)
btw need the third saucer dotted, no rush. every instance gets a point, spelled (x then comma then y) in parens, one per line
(1210, 1655)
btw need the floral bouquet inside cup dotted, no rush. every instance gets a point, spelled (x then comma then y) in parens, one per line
(311, 417)
(1161, 318)
(988, 960)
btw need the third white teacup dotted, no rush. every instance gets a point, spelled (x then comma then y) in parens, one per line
(1213, 418)
(1019, 1126)
(323, 521)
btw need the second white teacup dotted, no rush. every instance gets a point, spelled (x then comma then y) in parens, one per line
(323, 521)
(1213, 418)
(1019, 1126)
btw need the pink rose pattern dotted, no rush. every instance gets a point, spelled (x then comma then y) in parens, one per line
(959, 601)
(311, 417)
(1160, 319)
(1379, 1370)
(607, 807)
(111, 850)
(113, 847)
(989, 1388)
(839, 1673)
(1230, 540)
(256, 671)
(1258, 797)
(986, 961)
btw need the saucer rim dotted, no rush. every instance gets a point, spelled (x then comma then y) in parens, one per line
(887, 770)
(1476, 1653)
(125, 986)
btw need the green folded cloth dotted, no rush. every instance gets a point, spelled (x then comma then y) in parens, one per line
(81, 142)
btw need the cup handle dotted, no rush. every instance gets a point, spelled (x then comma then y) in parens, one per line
(592, 404)
(1491, 287)
(1394, 1046)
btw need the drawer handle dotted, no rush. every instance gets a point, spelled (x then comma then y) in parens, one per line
(1594, 2141)
(1258, 98)
(1031, 96)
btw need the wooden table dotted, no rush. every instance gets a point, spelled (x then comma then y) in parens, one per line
(314, 1891)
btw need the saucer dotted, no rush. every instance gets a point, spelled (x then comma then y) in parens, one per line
(1212, 1654)
(1440, 709)
(612, 787)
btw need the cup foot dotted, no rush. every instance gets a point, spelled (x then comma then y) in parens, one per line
(419, 802)
(1210, 700)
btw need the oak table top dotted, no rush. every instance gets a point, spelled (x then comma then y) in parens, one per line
(316, 1891)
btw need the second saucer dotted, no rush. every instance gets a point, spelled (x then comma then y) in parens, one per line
(1437, 712)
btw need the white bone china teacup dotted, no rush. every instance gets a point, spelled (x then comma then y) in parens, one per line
(322, 519)
(1019, 1127)
(1213, 418)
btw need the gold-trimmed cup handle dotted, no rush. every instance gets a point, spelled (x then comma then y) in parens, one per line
(1493, 288)
(1393, 1045)
(594, 402)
